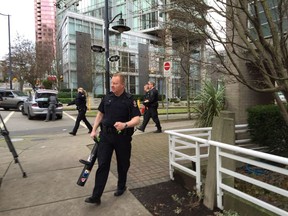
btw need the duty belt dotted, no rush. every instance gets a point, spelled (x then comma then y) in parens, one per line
(113, 130)
(109, 130)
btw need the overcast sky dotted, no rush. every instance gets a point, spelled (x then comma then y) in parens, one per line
(21, 22)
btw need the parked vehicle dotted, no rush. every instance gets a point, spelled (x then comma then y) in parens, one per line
(37, 105)
(12, 99)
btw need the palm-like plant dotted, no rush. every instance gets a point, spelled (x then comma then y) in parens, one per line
(209, 104)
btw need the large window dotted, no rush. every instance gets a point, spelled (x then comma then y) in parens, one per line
(149, 20)
(128, 62)
(274, 12)
(132, 84)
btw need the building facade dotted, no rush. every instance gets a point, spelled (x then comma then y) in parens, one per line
(141, 51)
(45, 31)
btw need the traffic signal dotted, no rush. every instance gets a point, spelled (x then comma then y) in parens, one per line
(61, 78)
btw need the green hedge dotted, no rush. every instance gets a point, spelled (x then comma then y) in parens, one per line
(268, 128)
(68, 90)
(136, 96)
(66, 94)
(64, 100)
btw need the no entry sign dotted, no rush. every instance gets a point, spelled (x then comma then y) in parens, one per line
(167, 66)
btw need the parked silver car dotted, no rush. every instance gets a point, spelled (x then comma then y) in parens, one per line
(12, 99)
(37, 104)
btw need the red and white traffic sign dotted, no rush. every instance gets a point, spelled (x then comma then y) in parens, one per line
(167, 66)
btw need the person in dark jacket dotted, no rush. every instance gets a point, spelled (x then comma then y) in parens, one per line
(144, 109)
(151, 112)
(51, 108)
(80, 102)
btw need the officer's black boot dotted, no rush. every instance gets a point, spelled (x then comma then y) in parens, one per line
(119, 191)
(93, 200)
(159, 130)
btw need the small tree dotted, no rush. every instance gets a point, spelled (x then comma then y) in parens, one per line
(23, 61)
(253, 34)
(184, 46)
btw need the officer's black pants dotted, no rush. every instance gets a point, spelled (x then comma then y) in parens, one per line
(152, 112)
(122, 146)
(81, 116)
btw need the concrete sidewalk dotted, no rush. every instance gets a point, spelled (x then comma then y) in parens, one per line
(52, 167)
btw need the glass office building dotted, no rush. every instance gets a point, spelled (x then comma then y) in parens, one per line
(81, 24)
(45, 29)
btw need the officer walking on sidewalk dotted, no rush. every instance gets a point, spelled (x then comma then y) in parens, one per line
(117, 116)
(152, 105)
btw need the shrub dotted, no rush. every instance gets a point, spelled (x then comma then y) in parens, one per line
(268, 128)
(47, 84)
(66, 94)
(68, 90)
(209, 104)
(64, 100)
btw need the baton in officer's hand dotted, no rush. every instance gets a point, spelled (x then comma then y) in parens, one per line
(89, 163)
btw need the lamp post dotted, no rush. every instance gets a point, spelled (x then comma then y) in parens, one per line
(121, 28)
(10, 59)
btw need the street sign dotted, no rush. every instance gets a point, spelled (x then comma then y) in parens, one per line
(167, 66)
(114, 58)
(96, 48)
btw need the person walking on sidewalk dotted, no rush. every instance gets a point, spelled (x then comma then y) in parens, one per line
(80, 102)
(152, 106)
(51, 108)
(145, 98)
(118, 114)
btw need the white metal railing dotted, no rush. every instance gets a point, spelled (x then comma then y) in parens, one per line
(245, 155)
(179, 142)
(184, 139)
(198, 138)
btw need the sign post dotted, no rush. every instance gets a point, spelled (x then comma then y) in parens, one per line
(167, 68)
(167, 73)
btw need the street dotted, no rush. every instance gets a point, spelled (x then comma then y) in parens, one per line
(18, 125)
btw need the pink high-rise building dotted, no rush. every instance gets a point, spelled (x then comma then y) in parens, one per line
(45, 29)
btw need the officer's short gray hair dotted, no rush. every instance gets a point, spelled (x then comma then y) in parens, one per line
(121, 76)
(152, 83)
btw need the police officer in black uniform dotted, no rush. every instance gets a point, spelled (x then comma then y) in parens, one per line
(152, 105)
(80, 102)
(117, 116)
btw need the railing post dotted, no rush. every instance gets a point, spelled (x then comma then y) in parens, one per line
(171, 155)
(198, 168)
(223, 130)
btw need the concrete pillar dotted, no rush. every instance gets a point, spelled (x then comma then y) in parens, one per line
(223, 130)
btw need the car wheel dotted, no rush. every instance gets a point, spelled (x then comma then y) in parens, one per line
(59, 116)
(29, 115)
(6, 108)
(20, 106)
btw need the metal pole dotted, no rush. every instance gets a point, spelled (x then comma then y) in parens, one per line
(107, 66)
(10, 61)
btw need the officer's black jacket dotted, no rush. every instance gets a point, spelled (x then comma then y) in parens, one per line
(146, 97)
(122, 108)
(153, 98)
(79, 101)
